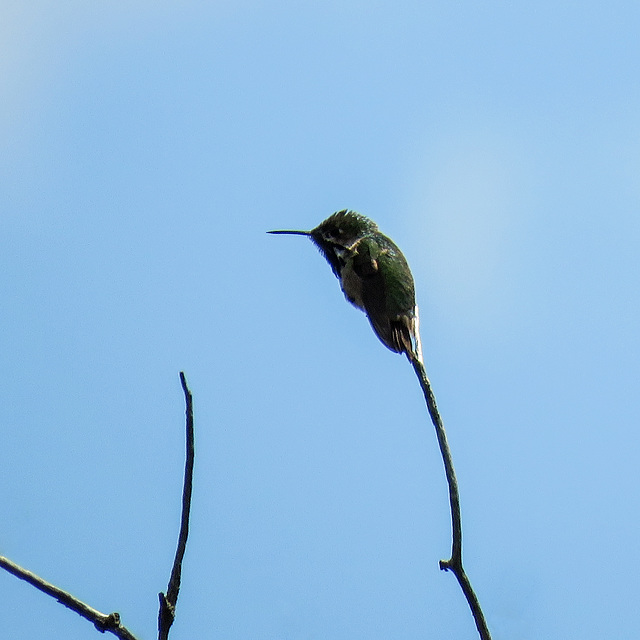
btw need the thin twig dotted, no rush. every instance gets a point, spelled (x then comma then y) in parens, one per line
(454, 564)
(102, 621)
(167, 612)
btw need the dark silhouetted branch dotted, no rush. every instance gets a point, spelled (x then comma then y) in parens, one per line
(454, 564)
(167, 612)
(102, 621)
(111, 622)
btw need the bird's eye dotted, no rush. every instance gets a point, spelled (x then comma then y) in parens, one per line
(332, 234)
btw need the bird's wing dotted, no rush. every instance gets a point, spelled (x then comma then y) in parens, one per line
(371, 264)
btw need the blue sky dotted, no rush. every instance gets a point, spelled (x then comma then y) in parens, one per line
(145, 148)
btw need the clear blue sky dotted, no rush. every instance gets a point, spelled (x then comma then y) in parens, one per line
(146, 147)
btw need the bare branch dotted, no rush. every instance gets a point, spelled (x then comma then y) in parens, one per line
(454, 564)
(111, 622)
(102, 621)
(167, 612)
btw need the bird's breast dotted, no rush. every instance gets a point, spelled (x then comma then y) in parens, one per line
(351, 285)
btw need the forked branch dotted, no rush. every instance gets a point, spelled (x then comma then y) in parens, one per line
(111, 622)
(454, 564)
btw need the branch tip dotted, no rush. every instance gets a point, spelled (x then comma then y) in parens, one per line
(167, 611)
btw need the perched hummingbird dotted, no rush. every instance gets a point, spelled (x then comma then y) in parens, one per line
(374, 276)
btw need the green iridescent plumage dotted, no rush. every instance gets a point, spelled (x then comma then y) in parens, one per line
(373, 274)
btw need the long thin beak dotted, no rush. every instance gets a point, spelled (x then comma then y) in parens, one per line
(292, 233)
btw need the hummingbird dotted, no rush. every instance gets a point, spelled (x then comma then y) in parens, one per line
(374, 277)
